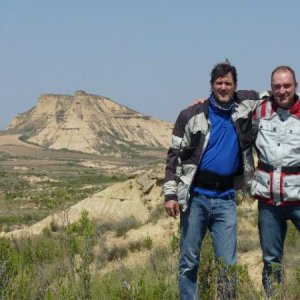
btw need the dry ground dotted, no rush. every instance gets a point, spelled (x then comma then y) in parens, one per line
(123, 199)
(31, 155)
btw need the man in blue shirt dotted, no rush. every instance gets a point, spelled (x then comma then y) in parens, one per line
(209, 146)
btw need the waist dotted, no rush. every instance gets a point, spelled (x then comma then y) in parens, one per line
(212, 181)
(285, 169)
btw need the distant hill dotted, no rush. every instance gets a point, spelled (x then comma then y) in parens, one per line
(90, 124)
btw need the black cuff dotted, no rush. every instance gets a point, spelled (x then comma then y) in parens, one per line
(171, 197)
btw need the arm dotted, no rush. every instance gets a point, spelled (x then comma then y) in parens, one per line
(251, 95)
(173, 168)
(250, 99)
(197, 101)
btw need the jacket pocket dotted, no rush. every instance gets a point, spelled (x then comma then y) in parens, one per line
(291, 187)
(261, 184)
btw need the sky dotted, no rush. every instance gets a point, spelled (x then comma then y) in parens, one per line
(153, 56)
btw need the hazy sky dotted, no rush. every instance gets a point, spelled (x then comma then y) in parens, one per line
(153, 56)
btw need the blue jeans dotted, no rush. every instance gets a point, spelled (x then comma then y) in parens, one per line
(219, 217)
(272, 226)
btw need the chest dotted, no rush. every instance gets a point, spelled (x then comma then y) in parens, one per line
(281, 127)
(278, 139)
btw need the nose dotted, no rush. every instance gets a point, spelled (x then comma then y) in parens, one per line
(223, 86)
(282, 90)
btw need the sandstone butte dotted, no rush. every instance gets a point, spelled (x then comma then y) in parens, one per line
(90, 124)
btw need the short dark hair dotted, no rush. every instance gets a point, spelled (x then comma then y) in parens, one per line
(221, 70)
(284, 68)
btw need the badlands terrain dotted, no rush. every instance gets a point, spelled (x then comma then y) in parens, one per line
(139, 192)
(71, 154)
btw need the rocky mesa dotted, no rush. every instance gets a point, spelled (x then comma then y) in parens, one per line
(91, 124)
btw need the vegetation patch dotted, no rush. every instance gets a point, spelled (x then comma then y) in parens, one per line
(23, 202)
(125, 224)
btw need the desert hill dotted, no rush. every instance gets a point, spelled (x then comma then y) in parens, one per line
(140, 197)
(136, 197)
(90, 124)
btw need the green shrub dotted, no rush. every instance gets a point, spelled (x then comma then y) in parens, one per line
(247, 244)
(103, 253)
(245, 288)
(174, 243)
(104, 226)
(24, 138)
(215, 277)
(136, 245)
(50, 266)
(292, 236)
(207, 270)
(8, 264)
(294, 284)
(156, 280)
(5, 156)
(124, 225)
(117, 252)
(148, 242)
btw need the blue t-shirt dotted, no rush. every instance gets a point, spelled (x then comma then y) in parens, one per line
(223, 153)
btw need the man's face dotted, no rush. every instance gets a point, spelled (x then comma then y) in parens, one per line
(224, 88)
(284, 88)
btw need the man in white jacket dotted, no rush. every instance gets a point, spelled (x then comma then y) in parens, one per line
(276, 182)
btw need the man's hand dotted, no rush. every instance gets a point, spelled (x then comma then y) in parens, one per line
(197, 101)
(172, 208)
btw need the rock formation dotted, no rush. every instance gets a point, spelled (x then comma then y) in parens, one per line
(91, 124)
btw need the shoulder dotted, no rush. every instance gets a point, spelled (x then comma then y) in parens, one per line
(248, 100)
(243, 95)
(191, 111)
(195, 109)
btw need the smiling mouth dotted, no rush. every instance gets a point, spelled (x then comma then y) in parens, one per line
(283, 98)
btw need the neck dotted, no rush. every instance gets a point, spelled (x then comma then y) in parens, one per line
(224, 104)
(221, 105)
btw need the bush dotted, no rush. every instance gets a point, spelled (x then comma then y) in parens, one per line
(215, 277)
(104, 226)
(8, 264)
(157, 280)
(125, 225)
(292, 236)
(136, 245)
(247, 244)
(148, 242)
(44, 267)
(116, 253)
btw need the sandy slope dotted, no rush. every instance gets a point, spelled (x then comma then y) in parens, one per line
(136, 197)
(133, 197)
